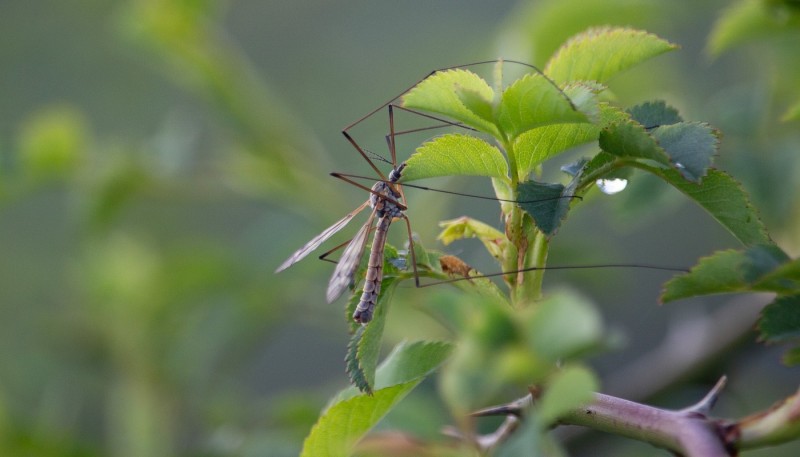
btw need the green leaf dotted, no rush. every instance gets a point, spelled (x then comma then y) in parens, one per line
(584, 98)
(716, 274)
(764, 260)
(443, 91)
(533, 101)
(611, 114)
(780, 320)
(564, 326)
(395, 369)
(759, 268)
(548, 204)
(466, 227)
(365, 345)
(456, 154)
(475, 102)
(691, 147)
(630, 139)
(351, 414)
(357, 375)
(724, 199)
(654, 114)
(688, 146)
(785, 278)
(600, 53)
(570, 388)
(536, 146)
(410, 361)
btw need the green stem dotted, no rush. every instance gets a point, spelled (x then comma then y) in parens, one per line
(515, 255)
(530, 246)
(538, 259)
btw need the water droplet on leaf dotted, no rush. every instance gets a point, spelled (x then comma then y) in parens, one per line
(611, 186)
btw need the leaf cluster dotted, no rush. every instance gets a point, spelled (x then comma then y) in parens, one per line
(510, 132)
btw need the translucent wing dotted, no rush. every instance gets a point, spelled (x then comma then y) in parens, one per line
(348, 263)
(309, 247)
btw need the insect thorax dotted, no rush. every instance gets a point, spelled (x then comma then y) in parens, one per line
(383, 206)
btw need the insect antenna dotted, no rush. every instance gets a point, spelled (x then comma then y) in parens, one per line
(450, 192)
(377, 157)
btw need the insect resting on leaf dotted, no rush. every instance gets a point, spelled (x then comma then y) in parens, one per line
(387, 202)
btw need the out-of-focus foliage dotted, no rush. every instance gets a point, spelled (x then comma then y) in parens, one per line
(139, 315)
(53, 144)
(149, 305)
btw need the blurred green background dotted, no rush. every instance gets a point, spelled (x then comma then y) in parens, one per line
(159, 159)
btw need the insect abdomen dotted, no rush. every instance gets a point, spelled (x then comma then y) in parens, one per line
(372, 284)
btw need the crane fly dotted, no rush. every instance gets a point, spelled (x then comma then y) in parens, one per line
(387, 203)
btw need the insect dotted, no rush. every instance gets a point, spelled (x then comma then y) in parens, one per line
(387, 203)
(386, 206)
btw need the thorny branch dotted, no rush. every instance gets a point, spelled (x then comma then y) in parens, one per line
(689, 432)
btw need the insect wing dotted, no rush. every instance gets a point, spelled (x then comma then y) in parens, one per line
(309, 247)
(348, 263)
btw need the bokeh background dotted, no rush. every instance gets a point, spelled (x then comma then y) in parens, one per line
(160, 158)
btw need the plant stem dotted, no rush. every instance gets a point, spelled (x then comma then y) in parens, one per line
(531, 245)
(537, 258)
(515, 257)
(688, 433)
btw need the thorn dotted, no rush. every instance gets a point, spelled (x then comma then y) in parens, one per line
(452, 432)
(704, 406)
(515, 408)
(489, 441)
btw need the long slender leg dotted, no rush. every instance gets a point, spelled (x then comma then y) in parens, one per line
(392, 146)
(392, 143)
(391, 136)
(411, 250)
(346, 178)
(556, 267)
(363, 154)
(533, 67)
(435, 118)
